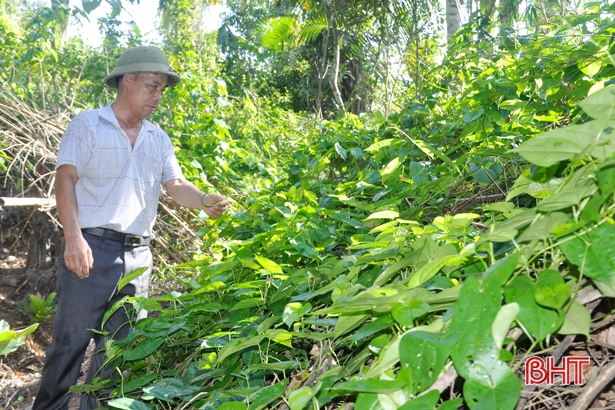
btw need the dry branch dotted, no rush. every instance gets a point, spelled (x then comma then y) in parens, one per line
(13, 202)
(594, 387)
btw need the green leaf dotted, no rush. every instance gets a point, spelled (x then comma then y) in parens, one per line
(606, 180)
(553, 146)
(90, 5)
(538, 321)
(424, 354)
(570, 196)
(472, 321)
(312, 28)
(590, 68)
(247, 303)
(300, 398)
(497, 389)
(145, 348)
(294, 311)
(405, 315)
(238, 345)
(499, 207)
(131, 276)
(473, 115)
(340, 151)
(346, 323)
(543, 226)
(577, 320)
(127, 404)
(232, 405)
(389, 356)
(116, 306)
(377, 146)
(373, 327)
(11, 339)
(275, 366)
(500, 235)
(432, 152)
(280, 336)
(503, 268)
(390, 168)
(418, 173)
(425, 402)
(356, 152)
(383, 215)
(368, 401)
(267, 395)
(25, 332)
(138, 382)
(592, 252)
(370, 386)
(270, 265)
(503, 321)
(391, 270)
(554, 298)
(601, 104)
(428, 271)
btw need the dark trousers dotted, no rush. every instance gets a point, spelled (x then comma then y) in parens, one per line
(82, 304)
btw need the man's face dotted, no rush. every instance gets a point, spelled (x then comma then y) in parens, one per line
(145, 92)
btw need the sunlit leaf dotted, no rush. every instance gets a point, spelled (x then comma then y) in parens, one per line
(601, 104)
(270, 265)
(383, 215)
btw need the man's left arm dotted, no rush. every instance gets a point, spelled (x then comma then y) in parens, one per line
(186, 194)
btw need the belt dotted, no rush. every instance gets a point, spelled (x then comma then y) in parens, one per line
(127, 239)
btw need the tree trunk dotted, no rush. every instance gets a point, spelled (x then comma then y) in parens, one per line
(353, 86)
(322, 73)
(453, 19)
(487, 8)
(336, 62)
(45, 242)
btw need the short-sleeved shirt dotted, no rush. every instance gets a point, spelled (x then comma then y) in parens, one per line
(119, 185)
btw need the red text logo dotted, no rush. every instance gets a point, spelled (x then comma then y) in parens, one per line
(539, 370)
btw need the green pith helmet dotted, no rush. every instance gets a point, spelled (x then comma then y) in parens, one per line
(143, 59)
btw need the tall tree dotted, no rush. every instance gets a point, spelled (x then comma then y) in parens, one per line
(453, 19)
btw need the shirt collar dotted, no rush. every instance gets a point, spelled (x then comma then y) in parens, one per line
(107, 114)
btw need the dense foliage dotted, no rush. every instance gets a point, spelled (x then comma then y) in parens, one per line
(368, 256)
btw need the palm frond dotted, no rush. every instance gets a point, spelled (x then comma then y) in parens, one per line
(311, 29)
(278, 31)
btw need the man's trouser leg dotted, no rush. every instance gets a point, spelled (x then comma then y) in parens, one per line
(117, 324)
(82, 304)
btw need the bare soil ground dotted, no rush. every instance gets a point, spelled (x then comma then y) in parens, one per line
(20, 370)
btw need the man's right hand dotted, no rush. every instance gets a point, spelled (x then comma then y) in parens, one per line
(78, 256)
(77, 253)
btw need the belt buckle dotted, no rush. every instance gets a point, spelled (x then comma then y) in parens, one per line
(133, 240)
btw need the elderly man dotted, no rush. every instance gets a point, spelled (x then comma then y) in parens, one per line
(111, 164)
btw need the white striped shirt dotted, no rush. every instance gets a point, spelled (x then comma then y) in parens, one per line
(118, 186)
